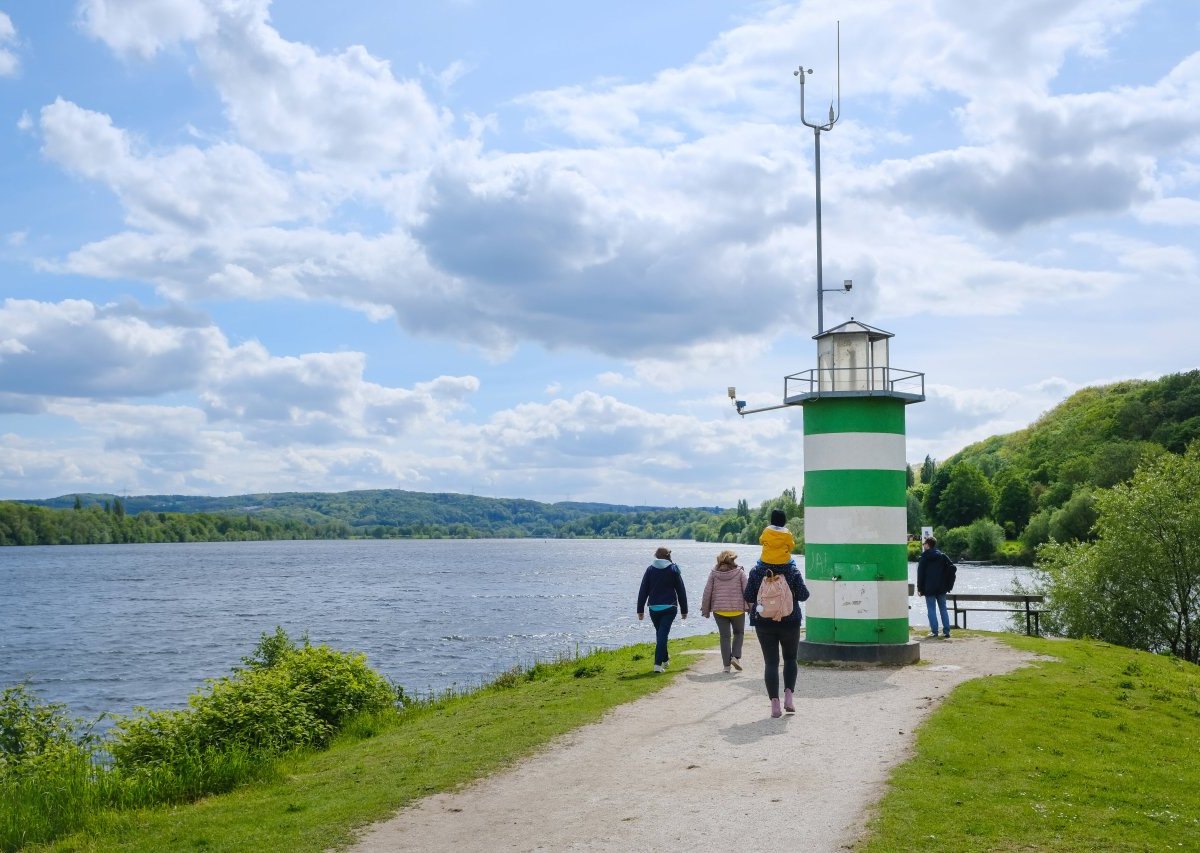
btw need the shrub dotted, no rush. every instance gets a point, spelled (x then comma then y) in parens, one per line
(290, 697)
(37, 736)
(1037, 532)
(984, 538)
(287, 697)
(336, 684)
(46, 770)
(954, 542)
(1014, 554)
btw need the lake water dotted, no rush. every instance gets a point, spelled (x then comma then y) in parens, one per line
(104, 628)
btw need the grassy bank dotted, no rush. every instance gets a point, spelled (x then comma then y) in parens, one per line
(381, 763)
(1091, 749)
(1094, 750)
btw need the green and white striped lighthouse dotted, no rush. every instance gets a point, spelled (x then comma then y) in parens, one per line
(855, 497)
(855, 500)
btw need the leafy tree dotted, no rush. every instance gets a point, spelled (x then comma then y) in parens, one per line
(1138, 584)
(1014, 502)
(1074, 520)
(968, 496)
(910, 479)
(928, 470)
(916, 516)
(78, 503)
(1116, 461)
(1055, 495)
(933, 497)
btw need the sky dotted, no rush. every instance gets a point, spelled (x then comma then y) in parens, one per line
(521, 248)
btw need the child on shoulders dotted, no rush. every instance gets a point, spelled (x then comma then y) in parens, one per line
(777, 541)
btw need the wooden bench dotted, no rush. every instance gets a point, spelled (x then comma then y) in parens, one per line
(1017, 604)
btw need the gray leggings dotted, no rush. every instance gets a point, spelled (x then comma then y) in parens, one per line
(736, 625)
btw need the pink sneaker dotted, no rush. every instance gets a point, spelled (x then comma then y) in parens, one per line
(787, 702)
(775, 712)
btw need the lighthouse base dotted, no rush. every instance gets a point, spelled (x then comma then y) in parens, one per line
(887, 654)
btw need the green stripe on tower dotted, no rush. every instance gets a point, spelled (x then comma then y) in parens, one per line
(821, 630)
(889, 562)
(854, 414)
(854, 488)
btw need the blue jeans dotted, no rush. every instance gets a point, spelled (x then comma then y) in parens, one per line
(662, 620)
(934, 603)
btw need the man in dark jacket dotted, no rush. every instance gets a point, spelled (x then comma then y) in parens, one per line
(662, 587)
(935, 578)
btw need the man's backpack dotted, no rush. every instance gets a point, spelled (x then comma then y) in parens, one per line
(775, 599)
(951, 573)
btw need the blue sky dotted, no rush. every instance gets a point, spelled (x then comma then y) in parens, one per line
(521, 248)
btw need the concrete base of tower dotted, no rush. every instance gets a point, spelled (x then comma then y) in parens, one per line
(888, 654)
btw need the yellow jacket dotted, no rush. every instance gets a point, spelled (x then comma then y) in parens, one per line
(777, 543)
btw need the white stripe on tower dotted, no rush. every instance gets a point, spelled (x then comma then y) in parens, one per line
(855, 525)
(838, 451)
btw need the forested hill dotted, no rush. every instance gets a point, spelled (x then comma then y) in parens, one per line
(1097, 436)
(1041, 483)
(381, 513)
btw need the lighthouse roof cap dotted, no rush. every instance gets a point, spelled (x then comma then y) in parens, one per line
(851, 327)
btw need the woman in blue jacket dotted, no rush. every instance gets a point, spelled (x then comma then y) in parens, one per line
(779, 639)
(662, 588)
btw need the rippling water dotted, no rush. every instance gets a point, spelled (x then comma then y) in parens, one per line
(105, 628)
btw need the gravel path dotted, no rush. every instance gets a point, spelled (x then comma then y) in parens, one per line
(700, 765)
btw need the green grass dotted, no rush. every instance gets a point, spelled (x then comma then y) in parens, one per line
(380, 764)
(1096, 750)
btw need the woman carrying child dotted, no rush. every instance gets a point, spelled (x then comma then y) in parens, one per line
(778, 636)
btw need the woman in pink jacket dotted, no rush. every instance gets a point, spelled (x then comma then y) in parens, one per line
(723, 598)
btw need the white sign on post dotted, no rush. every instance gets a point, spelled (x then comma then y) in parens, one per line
(926, 532)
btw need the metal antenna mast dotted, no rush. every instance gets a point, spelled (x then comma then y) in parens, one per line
(834, 115)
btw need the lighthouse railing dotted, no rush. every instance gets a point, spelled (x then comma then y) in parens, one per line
(822, 381)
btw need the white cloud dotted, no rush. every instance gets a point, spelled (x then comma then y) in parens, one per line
(186, 189)
(77, 349)
(347, 110)
(1182, 212)
(9, 63)
(144, 27)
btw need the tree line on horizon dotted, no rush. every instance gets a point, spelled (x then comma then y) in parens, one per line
(999, 499)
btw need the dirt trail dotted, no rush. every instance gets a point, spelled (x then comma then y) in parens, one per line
(701, 764)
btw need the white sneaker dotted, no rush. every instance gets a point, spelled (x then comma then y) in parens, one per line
(726, 669)
(931, 636)
(737, 664)
(658, 667)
